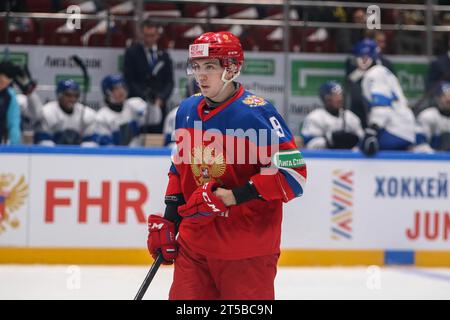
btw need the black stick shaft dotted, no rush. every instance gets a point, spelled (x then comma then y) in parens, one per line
(148, 279)
(83, 68)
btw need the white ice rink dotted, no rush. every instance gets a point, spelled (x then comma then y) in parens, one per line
(119, 282)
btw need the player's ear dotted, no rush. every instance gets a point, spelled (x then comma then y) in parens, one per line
(229, 74)
(232, 70)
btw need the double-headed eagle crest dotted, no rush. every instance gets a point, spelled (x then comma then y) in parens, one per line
(207, 164)
(11, 199)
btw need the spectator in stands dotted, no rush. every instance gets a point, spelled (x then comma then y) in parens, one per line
(354, 76)
(17, 24)
(66, 121)
(148, 71)
(120, 119)
(9, 108)
(318, 13)
(332, 127)
(347, 37)
(380, 39)
(434, 122)
(410, 42)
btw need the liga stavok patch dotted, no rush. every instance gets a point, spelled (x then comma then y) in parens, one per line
(200, 50)
(288, 159)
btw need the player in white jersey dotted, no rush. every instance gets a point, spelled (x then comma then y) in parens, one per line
(30, 112)
(66, 121)
(434, 122)
(169, 122)
(169, 128)
(391, 124)
(120, 120)
(331, 127)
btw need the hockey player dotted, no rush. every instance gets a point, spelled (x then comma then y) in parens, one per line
(169, 123)
(331, 127)
(66, 121)
(119, 122)
(391, 124)
(434, 122)
(169, 128)
(230, 224)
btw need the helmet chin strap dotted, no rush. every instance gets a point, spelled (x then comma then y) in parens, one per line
(225, 82)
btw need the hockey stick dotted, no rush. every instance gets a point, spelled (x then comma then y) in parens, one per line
(171, 216)
(344, 108)
(148, 279)
(82, 66)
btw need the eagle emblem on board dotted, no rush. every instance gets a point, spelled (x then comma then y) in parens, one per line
(12, 198)
(207, 164)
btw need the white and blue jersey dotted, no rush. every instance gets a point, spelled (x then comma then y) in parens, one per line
(320, 123)
(123, 127)
(432, 125)
(59, 127)
(388, 109)
(30, 110)
(169, 127)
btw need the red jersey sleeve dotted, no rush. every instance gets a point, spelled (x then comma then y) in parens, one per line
(174, 185)
(284, 178)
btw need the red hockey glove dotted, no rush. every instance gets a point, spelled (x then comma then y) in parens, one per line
(161, 238)
(203, 206)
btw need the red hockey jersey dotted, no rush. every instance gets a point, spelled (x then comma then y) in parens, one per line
(244, 139)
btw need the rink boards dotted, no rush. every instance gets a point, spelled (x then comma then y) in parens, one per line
(74, 205)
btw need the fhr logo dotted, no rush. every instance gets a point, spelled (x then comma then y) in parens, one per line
(131, 197)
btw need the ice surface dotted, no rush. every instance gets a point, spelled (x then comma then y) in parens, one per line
(122, 282)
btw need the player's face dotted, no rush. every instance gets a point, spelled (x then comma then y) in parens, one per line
(118, 94)
(68, 99)
(4, 82)
(208, 74)
(364, 62)
(335, 100)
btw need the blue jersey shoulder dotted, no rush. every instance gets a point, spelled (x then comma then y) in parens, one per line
(188, 109)
(254, 112)
(188, 104)
(254, 104)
